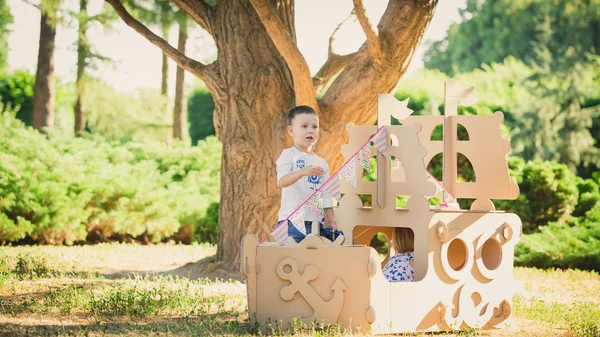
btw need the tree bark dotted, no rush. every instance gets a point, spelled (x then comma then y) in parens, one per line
(44, 88)
(82, 54)
(179, 111)
(164, 82)
(255, 90)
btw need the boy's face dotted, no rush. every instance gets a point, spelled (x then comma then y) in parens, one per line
(304, 130)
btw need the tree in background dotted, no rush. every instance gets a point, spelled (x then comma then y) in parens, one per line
(159, 13)
(5, 19)
(179, 111)
(556, 124)
(260, 73)
(44, 89)
(83, 48)
(492, 30)
(558, 107)
(164, 14)
(85, 58)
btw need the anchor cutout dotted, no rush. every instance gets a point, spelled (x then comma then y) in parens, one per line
(325, 311)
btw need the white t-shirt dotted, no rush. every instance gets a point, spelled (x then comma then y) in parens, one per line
(290, 161)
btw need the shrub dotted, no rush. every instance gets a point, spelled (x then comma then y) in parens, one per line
(562, 246)
(68, 190)
(548, 194)
(589, 196)
(200, 114)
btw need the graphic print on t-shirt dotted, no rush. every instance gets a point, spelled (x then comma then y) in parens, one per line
(314, 181)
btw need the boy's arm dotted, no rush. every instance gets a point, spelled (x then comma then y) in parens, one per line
(291, 178)
(330, 219)
(328, 202)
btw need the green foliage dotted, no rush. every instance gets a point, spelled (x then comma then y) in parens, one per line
(563, 123)
(553, 112)
(548, 193)
(547, 116)
(5, 20)
(589, 196)
(207, 228)
(63, 188)
(562, 246)
(200, 114)
(492, 30)
(139, 116)
(16, 92)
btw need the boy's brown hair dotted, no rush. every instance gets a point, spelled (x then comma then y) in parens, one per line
(299, 110)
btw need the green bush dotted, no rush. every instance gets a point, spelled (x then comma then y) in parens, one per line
(548, 194)
(143, 115)
(589, 196)
(68, 190)
(207, 228)
(562, 246)
(16, 92)
(200, 114)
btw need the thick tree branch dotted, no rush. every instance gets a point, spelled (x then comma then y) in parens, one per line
(303, 87)
(334, 62)
(403, 25)
(199, 10)
(371, 32)
(193, 66)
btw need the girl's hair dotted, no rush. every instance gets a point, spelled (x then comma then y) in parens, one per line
(299, 110)
(404, 240)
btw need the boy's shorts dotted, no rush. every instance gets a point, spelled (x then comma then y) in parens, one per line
(298, 236)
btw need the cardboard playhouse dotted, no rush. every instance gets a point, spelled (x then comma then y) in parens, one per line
(463, 258)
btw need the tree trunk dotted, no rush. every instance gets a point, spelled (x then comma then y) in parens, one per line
(252, 87)
(254, 92)
(164, 83)
(44, 89)
(82, 53)
(179, 111)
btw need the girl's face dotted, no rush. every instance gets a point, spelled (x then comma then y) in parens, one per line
(304, 131)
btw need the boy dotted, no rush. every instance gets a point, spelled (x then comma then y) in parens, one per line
(300, 172)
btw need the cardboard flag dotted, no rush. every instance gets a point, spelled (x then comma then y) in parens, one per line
(449, 201)
(348, 171)
(380, 141)
(333, 187)
(364, 156)
(315, 204)
(281, 232)
(397, 164)
(438, 185)
(297, 219)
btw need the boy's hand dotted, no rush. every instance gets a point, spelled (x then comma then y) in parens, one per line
(312, 170)
(332, 225)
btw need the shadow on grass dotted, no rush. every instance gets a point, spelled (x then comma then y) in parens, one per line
(205, 268)
(195, 326)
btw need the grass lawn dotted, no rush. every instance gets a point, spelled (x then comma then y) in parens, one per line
(131, 290)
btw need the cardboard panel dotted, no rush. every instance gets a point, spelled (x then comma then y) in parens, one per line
(463, 258)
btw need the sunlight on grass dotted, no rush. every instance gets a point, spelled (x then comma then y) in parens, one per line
(41, 288)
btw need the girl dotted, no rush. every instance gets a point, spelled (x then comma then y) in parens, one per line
(400, 267)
